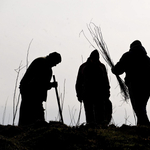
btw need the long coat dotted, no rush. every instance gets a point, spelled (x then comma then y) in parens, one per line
(36, 80)
(92, 81)
(136, 65)
(33, 89)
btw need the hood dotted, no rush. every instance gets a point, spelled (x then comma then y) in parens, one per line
(138, 50)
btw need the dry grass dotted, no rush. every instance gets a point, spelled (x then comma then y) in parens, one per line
(55, 135)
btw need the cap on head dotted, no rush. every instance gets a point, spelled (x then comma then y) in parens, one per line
(55, 57)
(135, 43)
(94, 55)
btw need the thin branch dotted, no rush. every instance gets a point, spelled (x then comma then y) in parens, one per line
(63, 96)
(97, 36)
(4, 113)
(135, 118)
(86, 38)
(16, 108)
(70, 116)
(18, 73)
(14, 96)
(78, 121)
(27, 62)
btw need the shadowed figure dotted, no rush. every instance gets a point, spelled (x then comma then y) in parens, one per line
(34, 86)
(92, 87)
(136, 64)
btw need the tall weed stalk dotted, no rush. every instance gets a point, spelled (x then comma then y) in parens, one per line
(18, 70)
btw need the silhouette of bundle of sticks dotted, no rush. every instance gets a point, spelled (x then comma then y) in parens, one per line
(96, 34)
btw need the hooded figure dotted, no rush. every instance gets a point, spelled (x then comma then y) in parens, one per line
(136, 65)
(34, 86)
(92, 87)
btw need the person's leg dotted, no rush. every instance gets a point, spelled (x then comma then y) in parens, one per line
(39, 112)
(26, 112)
(108, 111)
(99, 111)
(141, 111)
(89, 113)
(139, 99)
(31, 110)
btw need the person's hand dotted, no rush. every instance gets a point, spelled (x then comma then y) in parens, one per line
(112, 70)
(80, 100)
(54, 84)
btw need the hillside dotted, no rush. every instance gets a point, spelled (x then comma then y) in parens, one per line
(55, 135)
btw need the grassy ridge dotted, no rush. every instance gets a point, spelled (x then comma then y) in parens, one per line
(55, 135)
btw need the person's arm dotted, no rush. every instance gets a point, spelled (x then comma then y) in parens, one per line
(119, 68)
(79, 85)
(52, 85)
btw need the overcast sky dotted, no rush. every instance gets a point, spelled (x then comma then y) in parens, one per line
(55, 25)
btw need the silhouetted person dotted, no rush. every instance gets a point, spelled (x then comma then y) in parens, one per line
(34, 86)
(92, 87)
(136, 64)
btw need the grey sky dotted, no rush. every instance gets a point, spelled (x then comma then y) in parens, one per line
(55, 25)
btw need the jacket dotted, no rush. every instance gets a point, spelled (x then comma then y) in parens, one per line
(37, 78)
(92, 81)
(136, 65)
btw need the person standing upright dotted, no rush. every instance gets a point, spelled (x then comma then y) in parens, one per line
(92, 88)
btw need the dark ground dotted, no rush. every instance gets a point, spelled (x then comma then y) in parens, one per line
(56, 136)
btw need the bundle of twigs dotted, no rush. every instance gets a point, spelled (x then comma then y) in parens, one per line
(96, 34)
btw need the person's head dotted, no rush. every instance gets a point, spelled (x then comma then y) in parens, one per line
(54, 58)
(94, 56)
(135, 44)
(136, 47)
